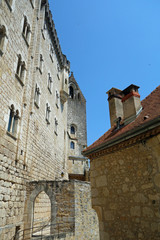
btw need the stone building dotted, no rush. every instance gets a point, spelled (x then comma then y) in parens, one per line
(78, 165)
(125, 168)
(36, 131)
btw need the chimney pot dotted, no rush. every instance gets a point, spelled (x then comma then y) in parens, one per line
(131, 103)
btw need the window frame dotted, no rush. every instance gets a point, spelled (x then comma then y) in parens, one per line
(12, 127)
(20, 70)
(37, 96)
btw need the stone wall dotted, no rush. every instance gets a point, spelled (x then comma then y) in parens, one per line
(86, 220)
(38, 149)
(126, 191)
(76, 117)
(70, 211)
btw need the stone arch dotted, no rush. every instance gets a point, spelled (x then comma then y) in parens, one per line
(41, 213)
(73, 129)
(29, 206)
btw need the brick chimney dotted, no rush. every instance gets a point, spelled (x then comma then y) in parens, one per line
(115, 104)
(131, 103)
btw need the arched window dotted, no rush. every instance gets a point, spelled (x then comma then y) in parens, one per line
(71, 92)
(13, 120)
(20, 71)
(2, 37)
(26, 30)
(79, 96)
(72, 145)
(73, 130)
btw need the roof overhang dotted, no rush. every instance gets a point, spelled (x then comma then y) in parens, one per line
(148, 126)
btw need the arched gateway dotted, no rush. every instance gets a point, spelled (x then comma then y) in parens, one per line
(34, 189)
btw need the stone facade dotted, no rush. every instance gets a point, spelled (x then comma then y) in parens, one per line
(126, 191)
(34, 141)
(71, 211)
(77, 132)
(125, 168)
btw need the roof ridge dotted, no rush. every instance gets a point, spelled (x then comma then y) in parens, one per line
(155, 90)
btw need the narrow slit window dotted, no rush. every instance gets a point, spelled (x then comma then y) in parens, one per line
(72, 130)
(72, 145)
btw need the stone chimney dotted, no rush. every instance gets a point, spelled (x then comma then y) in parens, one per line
(131, 103)
(115, 105)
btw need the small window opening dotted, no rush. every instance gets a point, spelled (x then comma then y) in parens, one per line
(48, 110)
(41, 64)
(56, 126)
(2, 36)
(51, 51)
(72, 145)
(72, 130)
(71, 92)
(79, 96)
(37, 96)
(26, 30)
(49, 82)
(20, 69)
(13, 120)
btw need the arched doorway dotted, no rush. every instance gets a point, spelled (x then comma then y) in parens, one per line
(41, 214)
(38, 191)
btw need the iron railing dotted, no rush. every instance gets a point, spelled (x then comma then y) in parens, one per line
(57, 230)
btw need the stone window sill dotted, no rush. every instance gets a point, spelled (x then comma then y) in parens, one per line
(39, 70)
(48, 122)
(19, 79)
(32, 3)
(25, 40)
(50, 90)
(11, 135)
(51, 57)
(36, 104)
(43, 34)
(9, 6)
(58, 77)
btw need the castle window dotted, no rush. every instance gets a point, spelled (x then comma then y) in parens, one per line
(48, 111)
(71, 92)
(20, 71)
(13, 121)
(56, 126)
(51, 52)
(72, 145)
(57, 99)
(79, 96)
(26, 31)
(41, 64)
(37, 96)
(49, 83)
(3, 37)
(58, 74)
(72, 130)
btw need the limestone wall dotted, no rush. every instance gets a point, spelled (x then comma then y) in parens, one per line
(126, 191)
(76, 116)
(70, 209)
(36, 151)
(86, 220)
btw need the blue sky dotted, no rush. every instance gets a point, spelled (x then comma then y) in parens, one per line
(110, 43)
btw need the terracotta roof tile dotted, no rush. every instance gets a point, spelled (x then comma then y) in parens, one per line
(150, 111)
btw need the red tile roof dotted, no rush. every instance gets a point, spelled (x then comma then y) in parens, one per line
(150, 111)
